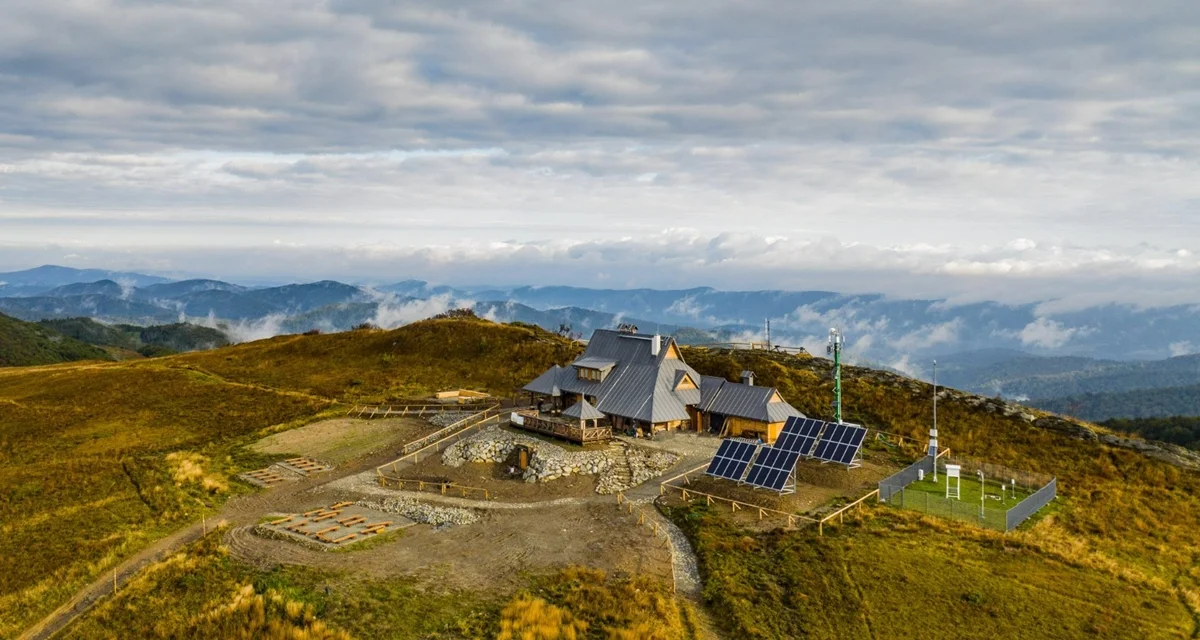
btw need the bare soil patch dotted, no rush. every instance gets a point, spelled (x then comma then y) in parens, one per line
(494, 553)
(501, 485)
(341, 439)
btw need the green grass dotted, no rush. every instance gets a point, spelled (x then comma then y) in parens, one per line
(929, 497)
(895, 575)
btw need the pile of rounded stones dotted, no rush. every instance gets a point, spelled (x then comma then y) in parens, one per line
(448, 418)
(422, 512)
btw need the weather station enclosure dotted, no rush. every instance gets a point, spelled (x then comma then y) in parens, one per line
(991, 496)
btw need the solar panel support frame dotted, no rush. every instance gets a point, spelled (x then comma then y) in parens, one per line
(855, 462)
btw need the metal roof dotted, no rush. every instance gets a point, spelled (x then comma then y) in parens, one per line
(583, 410)
(549, 383)
(744, 401)
(594, 362)
(639, 386)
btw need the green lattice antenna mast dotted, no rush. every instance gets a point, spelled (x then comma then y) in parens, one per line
(835, 350)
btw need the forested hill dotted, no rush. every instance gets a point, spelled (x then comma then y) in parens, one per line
(25, 343)
(1147, 403)
(1181, 430)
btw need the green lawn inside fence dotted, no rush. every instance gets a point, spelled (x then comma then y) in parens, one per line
(930, 497)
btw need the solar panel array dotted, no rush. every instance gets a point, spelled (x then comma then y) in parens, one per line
(799, 434)
(773, 468)
(731, 460)
(840, 443)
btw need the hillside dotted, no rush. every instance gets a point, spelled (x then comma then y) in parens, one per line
(26, 343)
(1114, 556)
(152, 340)
(1147, 403)
(1181, 430)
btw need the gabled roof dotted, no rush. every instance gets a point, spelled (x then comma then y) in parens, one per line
(549, 383)
(640, 385)
(583, 410)
(744, 401)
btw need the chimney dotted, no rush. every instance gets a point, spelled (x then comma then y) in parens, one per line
(748, 378)
(655, 345)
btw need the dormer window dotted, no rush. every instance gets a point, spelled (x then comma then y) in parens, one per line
(590, 374)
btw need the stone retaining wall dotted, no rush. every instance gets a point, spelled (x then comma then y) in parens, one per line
(422, 512)
(620, 466)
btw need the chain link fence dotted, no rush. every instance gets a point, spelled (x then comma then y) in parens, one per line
(1005, 498)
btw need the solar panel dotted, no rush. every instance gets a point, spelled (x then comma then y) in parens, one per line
(840, 443)
(798, 434)
(733, 456)
(773, 469)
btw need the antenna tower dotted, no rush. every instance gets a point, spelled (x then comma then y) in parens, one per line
(933, 443)
(835, 350)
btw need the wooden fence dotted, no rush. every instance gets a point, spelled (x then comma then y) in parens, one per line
(441, 433)
(399, 411)
(465, 427)
(735, 505)
(444, 488)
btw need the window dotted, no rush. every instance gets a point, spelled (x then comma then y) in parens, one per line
(588, 374)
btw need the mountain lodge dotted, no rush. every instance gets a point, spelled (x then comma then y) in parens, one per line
(638, 382)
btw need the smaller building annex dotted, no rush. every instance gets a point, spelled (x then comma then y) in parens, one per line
(742, 409)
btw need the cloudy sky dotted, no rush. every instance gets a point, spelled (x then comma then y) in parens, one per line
(1018, 150)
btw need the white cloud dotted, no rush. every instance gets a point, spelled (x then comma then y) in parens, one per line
(390, 315)
(489, 140)
(1049, 334)
(1182, 348)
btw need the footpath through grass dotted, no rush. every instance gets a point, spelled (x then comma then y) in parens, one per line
(97, 461)
(201, 592)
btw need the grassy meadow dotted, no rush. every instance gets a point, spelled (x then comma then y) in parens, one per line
(1118, 513)
(98, 460)
(891, 574)
(200, 592)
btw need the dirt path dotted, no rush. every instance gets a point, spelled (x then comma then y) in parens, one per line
(527, 537)
(238, 510)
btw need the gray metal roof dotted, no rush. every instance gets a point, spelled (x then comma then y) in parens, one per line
(595, 362)
(744, 401)
(583, 410)
(549, 383)
(639, 386)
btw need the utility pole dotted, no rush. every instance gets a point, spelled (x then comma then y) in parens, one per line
(768, 334)
(835, 350)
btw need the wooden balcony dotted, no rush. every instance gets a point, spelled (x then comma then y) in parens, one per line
(563, 428)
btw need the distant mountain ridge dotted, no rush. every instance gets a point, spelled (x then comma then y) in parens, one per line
(901, 334)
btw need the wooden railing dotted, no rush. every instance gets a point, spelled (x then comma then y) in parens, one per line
(464, 427)
(531, 421)
(399, 411)
(840, 513)
(441, 433)
(386, 480)
(735, 505)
